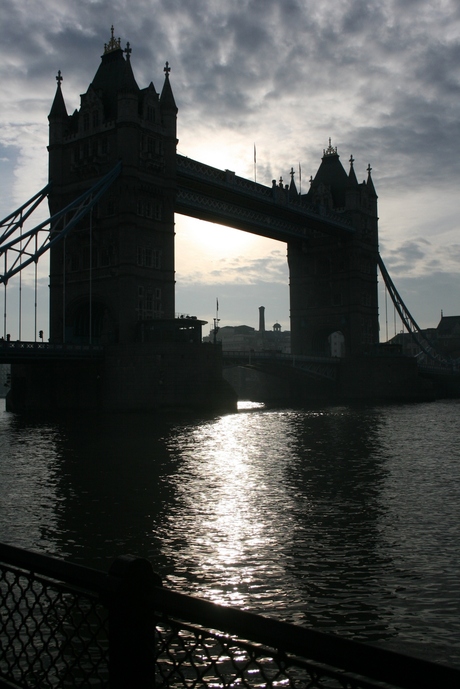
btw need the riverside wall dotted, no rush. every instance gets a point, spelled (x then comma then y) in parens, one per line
(134, 377)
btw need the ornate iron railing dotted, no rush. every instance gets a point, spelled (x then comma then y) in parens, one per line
(53, 623)
(11, 351)
(63, 625)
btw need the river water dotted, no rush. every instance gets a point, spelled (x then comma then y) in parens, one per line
(345, 519)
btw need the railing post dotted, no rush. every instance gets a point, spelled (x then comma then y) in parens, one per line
(131, 624)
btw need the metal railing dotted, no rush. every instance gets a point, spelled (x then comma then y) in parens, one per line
(321, 367)
(64, 625)
(13, 350)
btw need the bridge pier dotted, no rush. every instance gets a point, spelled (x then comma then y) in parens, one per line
(132, 378)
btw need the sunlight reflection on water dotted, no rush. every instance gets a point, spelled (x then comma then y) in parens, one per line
(340, 518)
(244, 405)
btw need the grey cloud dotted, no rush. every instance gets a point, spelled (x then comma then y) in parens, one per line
(407, 253)
(243, 270)
(380, 77)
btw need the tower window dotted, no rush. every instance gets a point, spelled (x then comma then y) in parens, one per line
(337, 299)
(147, 209)
(149, 304)
(148, 257)
(105, 256)
(85, 122)
(157, 258)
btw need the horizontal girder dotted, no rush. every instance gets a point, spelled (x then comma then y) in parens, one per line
(222, 197)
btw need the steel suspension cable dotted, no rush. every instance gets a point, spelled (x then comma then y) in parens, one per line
(408, 321)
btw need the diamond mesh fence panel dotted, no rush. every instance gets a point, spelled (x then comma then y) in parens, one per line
(190, 656)
(51, 635)
(55, 634)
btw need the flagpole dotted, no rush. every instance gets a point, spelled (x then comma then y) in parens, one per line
(255, 164)
(300, 180)
(216, 321)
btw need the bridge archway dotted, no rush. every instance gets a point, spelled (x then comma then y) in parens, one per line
(328, 342)
(336, 341)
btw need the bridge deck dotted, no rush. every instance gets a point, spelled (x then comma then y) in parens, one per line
(19, 351)
(277, 362)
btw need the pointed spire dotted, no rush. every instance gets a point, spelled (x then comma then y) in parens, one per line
(58, 109)
(330, 150)
(370, 183)
(114, 76)
(113, 44)
(167, 99)
(352, 175)
(293, 193)
(332, 176)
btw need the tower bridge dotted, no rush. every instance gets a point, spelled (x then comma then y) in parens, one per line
(112, 273)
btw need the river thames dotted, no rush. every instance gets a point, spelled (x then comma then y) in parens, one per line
(345, 519)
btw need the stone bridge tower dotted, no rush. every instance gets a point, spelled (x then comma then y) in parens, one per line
(333, 280)
(115, 272)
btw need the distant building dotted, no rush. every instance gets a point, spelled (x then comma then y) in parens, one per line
(244, 338)
(445, 338)
(448, 335)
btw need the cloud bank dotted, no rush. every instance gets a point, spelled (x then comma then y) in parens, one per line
(381, 78)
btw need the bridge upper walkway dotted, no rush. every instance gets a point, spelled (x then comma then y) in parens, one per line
(222, 197)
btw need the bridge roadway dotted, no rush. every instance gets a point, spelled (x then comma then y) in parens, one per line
(222, 197)
(19, 351)
(276, 362)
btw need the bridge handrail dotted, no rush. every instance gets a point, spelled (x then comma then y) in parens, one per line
(282, 356)
(49, 346)
(125, 629)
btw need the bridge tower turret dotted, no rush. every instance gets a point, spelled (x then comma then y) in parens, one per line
(333, 280)
(116, 270)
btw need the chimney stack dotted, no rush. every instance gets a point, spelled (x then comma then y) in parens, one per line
(261, 319)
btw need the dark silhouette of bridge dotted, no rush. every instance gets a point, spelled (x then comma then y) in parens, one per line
(116, 181)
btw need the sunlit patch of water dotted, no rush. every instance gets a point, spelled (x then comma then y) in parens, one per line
(245, 405)
(340, 518)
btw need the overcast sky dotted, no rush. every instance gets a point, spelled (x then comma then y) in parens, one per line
(380, 77)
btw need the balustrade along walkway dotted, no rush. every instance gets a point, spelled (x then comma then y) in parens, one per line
(64, 625)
